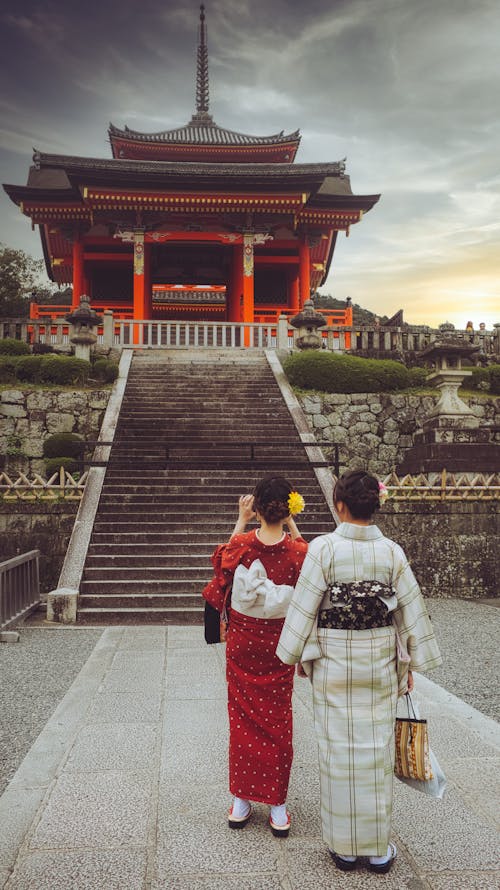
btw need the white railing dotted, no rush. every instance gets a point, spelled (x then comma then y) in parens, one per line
(158, 334)
(119, 333)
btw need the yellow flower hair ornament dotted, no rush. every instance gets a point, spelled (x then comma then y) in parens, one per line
(295, 503)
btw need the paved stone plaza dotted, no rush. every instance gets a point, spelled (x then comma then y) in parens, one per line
(126, 786)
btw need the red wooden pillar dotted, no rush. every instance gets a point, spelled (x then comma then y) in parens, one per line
(235, 285)
(304, 270)
(248, 278)
(293, 290)
(139, 285)
(78, 273)
(148, 289)
(139, 280)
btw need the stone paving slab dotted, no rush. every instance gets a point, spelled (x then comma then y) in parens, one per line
(126, 787)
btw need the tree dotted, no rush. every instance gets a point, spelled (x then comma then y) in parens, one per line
(360, 315)
(19, 274)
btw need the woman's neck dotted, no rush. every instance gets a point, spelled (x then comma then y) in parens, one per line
(270, 533)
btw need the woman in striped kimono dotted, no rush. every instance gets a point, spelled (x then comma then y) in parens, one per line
(359, 625)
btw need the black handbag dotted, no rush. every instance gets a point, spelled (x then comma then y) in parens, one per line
(212, 624)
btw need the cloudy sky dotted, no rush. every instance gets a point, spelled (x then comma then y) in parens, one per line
(407, 90)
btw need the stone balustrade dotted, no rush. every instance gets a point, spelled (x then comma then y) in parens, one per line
(367, 340)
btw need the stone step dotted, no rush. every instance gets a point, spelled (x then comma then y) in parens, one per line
(172, 542)
(141, 600)
(143, 586)
(226, 502)
(212, 479)
(139, 616)
(183, 574)
(219, 525)
(150, 559)
(182, 541)
(196, 493)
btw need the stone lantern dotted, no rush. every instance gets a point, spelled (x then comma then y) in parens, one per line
(445, 357)
(452, 437)
(307, 323)
(83, 319)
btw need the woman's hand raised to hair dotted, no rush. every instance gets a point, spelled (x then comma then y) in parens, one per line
(245, 508)
(245, 514)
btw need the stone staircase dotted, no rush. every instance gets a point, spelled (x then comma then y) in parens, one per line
(195, 431)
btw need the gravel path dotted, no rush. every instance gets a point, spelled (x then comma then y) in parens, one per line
(468, 633)
(36, 673)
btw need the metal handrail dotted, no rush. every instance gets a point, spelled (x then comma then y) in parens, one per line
(19, 586)
(211, 444)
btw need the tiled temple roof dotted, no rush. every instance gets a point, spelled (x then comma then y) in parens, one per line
(202, 132)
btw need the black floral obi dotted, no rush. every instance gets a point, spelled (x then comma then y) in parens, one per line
(357, 606)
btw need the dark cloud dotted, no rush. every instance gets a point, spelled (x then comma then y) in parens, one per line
(406, 89)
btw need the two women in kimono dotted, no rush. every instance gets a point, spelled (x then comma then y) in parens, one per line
(358, 625)
(262, 567)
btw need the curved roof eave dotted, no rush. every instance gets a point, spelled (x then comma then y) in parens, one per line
(193, 133)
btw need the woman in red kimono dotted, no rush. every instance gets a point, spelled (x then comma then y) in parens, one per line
(262, 567)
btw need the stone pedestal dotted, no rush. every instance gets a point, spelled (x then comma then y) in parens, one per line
(83, 343)
(450, 410)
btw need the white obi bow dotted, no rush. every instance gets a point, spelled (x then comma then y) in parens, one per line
(255, 594)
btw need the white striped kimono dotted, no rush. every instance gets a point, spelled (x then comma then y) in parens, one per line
(356, 676)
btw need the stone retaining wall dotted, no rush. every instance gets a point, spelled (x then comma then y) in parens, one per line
(28, 417)
(374, 430)
(40, 526)
(452, 546)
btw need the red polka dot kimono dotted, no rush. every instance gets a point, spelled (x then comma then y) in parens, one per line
(259, 684)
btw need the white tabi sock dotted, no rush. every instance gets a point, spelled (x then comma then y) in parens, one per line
(381, 860)
(241, 808)
(279, 815)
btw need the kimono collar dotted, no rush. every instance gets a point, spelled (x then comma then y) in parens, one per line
(358, 532)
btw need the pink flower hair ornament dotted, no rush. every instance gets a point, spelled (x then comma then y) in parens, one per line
(383, 493)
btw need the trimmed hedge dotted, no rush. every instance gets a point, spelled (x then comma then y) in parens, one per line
(60, 369)
(55, 463)
(105, 369)
(28, 368)
(495, 379)
(328, 372)
(11, 346)
(487, 379)
(63, 450)
(63, 369)
(8, 366)
(63, 445)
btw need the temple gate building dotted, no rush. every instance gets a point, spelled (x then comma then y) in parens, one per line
(196, 223)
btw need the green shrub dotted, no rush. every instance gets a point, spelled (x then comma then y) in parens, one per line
(105, 369)
(28, 368)
(495, 379)
(41, 348)
(54, 463)
(480, 379)
(63, 445)
(8, 365)
(418, 377)
(10, 346)
(484, 378)
(328, 372)
(64, 369)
